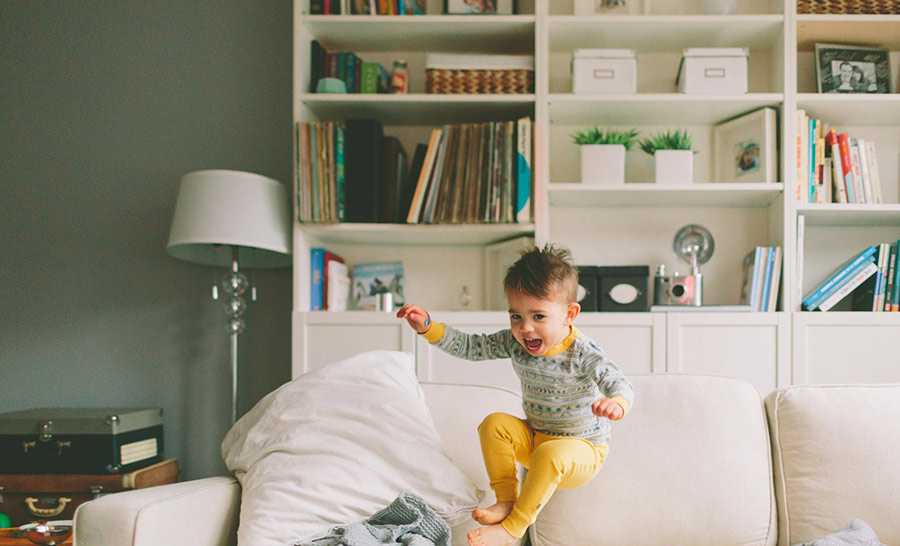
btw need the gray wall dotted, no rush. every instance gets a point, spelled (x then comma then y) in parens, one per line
(104, 105)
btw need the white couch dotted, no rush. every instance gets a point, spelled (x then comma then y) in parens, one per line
(699, 460)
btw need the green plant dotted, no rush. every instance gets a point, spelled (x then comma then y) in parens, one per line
(677, 140)
(610, 136)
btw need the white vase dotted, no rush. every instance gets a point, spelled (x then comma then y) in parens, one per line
(674, 167)
(603, 164)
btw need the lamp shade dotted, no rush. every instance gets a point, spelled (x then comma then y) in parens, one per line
(219, 209)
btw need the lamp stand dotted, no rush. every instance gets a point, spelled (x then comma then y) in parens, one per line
(235, 284)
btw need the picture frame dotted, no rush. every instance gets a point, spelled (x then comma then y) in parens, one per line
(852, 69)
(745, 149)
(479, 7)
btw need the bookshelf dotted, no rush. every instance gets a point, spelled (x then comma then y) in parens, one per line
(633, 224)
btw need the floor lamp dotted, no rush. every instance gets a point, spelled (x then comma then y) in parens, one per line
(232, 219)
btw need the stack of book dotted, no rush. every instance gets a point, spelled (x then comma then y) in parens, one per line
(834, 167)
(367, 7)
(761, 278)
(329, 281)
(871, 278)
(358, 76)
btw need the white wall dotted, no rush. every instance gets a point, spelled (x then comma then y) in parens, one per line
(105, 105)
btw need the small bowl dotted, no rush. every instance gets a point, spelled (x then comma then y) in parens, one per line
(48, 533)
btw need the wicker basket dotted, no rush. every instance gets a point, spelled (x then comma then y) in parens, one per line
(479, 74)
(863, 7)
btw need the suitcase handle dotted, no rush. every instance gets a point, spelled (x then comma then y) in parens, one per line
(47, 512)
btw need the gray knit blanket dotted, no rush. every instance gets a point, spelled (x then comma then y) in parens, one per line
(407, 521)
(856, 533)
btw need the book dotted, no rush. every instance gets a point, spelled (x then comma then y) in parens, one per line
(371, 279)
(873, 171)
(858, 188)
(891, 267)
(801, 155)
(772, 304)
(750, 270)
(327, 259)
(338, 292)
(369, 78)
(393, 172)
(837, 277)
(363, 139)
(864, 170)
(316, 274)
(339, 173)
(884, 250)
(415, 207)
(317, 55)
(767, 279)
(409, 183)
(837, 176)
(859, 276)
(847, 176)
(524, 133)
(895, 305)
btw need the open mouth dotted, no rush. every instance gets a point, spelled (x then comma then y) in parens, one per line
(532, 344)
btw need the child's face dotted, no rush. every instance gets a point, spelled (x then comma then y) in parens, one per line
(538, 324)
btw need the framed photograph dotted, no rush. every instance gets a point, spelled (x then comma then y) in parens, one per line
(479, 7)
(852, 69)
(745, 148)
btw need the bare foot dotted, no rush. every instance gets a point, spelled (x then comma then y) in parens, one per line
(493, 514)
(492, 535)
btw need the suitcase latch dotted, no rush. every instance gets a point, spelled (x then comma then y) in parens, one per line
(96, 491)
(44, 433)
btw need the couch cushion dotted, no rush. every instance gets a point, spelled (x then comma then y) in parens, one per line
(689, 464)
(835, 450)
(336, 445)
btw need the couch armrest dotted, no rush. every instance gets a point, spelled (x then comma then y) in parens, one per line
(199, 512)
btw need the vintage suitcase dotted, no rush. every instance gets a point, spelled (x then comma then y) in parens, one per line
(32, 497)
(80, 440)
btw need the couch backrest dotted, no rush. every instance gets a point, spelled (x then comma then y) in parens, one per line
(690, 464)
(836, 453)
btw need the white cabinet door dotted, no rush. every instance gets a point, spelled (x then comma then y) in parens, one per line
(846, 348)
(436, 365)
(321, 337)
(754, 347)
(636, 342)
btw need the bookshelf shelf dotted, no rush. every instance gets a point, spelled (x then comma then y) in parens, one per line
(655, 108)
(834, 214)
(876, 30)
(650, 33)
(430, 234)
(419, 108)
(651, 195)
(840, 109)
(459, 34)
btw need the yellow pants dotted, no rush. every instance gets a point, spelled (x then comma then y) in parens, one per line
(551, 462)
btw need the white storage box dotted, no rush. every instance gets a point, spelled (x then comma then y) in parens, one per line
(713, 70)
(604, 71)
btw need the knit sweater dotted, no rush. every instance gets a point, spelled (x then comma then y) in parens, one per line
(559, 387)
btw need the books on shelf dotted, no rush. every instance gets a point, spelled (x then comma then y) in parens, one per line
(834, 167)
(325, 284)
(372, 279)
(870, 278)
(761, 278)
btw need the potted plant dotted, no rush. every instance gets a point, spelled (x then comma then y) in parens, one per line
(673, 156)
(603, 154)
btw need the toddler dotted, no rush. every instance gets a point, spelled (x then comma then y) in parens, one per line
(570, 392)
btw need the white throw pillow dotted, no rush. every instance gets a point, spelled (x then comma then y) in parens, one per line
(336, 445)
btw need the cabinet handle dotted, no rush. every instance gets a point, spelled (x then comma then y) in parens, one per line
(47, 512)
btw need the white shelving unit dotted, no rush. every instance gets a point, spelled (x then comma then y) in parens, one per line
(633, 224)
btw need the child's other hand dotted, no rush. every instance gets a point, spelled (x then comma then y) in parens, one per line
(605, 407)
(417, 317)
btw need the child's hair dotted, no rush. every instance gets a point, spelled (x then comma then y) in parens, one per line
(546, 273)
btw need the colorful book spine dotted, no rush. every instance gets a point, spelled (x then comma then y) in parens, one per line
(837, 286)
(895, 306)
(523, 175)
(847, 178)
(316, 278)
(889, 292)
(767, 279)
(759, 261)
(850, 285)
(369, 78)
(838, 277)
(339, 171)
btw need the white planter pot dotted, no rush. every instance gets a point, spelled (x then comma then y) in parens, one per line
(603, 164)
(674, 167)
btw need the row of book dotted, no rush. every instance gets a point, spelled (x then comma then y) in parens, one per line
(367, 7)
(335, 287)
(466, 173)
(761, 278)
(834, 167)
(475, 173)
(871, 279)
(358, 76)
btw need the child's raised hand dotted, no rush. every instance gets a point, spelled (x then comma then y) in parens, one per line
(606, 407)
(418, 318)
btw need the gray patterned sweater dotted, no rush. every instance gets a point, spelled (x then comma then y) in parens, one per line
(557, 389)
